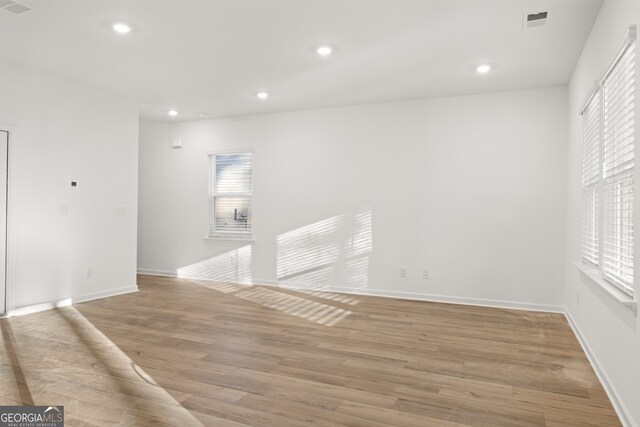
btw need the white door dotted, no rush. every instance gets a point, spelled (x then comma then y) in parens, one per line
(4, 150)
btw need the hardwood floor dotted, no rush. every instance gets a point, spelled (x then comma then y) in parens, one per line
(187, 353)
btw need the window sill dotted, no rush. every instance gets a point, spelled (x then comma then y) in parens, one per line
(232, 238)
(594, 274)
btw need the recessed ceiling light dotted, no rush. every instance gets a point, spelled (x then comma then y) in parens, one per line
(172, 113)
(324, 50)
(121, 28)
(483, 69)
(262, 95)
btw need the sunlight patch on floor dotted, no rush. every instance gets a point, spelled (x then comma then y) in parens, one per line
(296, 306)
(113, 389)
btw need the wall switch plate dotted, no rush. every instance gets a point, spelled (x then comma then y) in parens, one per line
(403, 272)
(425, 274)
(89, 272)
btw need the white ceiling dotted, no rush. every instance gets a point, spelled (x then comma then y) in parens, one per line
(213, 56)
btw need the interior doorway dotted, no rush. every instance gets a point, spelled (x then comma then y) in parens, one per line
(4, 158)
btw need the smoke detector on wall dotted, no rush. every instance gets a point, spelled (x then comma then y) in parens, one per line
(14, 7)
(535, 19)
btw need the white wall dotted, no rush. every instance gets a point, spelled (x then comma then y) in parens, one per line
(61, 131)
(469, 187)
(611, 331)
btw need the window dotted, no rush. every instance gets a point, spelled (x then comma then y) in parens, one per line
(618, 170)
(230, 191)
(608, 164)
(591, 181)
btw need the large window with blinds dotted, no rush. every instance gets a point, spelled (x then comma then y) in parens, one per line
(230, 192)
(608, 165)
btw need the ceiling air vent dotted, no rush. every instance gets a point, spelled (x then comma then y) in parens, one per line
(535, 19)
(14, 7)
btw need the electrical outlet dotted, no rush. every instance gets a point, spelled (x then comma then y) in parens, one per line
(89, 272)
(234, 260)
(425, 274)
(403, 272)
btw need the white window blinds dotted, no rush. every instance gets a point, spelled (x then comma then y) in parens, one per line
(608, 168)
(230, 191)
(591, 180)
(618, 170)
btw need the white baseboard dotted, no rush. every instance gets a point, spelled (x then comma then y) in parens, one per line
(162, 273)
(442, 298)
(30, 309)
(35, 308)
(619, 407)
(157, 272)
(515, 305)
(265, 282)
(105, 294)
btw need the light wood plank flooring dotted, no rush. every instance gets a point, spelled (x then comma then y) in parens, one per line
(185, 353)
